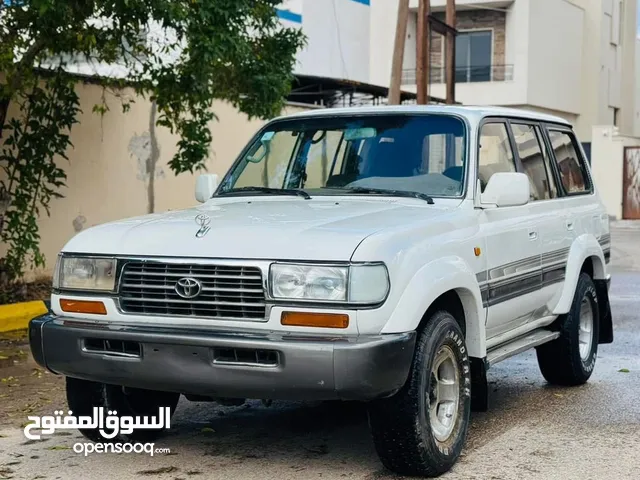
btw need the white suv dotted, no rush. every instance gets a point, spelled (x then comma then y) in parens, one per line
(389, 255)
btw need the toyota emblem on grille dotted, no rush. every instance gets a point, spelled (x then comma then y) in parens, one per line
(188, 287)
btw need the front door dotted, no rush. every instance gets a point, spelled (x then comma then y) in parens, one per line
(554, 218)
(513, 245)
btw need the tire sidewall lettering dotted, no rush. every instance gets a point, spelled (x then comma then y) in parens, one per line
(456, 341)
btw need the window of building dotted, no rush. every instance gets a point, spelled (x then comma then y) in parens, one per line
(495, 154)
(571, 166)
(473, 56)
(534, 161)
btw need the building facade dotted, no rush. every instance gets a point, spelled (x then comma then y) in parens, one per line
(577, 59)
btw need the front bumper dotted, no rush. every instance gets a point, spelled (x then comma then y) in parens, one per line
(185, 360)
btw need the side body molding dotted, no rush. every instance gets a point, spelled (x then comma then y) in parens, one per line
(430, 282)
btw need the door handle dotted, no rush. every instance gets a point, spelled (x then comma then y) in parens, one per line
(533, 235)
(569, 224)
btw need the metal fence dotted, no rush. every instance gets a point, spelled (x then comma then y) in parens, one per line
(470, 74)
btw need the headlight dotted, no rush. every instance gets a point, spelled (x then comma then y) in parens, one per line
(85, 273)
(357, 284)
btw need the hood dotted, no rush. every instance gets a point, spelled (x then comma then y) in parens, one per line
(264, 228)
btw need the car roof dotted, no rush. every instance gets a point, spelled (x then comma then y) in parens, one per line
(475, 114)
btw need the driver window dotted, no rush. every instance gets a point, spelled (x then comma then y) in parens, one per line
(495, 153)
(269, 172)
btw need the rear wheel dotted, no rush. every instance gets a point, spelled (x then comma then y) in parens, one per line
(570, 359)
(84, 395)
(421, 430)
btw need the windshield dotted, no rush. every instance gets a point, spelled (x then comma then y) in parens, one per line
(330, 155)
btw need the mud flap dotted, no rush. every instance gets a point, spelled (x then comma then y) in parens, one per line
(479, 385)
(606, 321)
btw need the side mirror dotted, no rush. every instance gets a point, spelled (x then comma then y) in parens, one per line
(206, 185)
(506, 189)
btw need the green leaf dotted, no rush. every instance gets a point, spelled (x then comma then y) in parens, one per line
(234, 51)
(624, 370)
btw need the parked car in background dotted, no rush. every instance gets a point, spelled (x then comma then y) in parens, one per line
(389, 255)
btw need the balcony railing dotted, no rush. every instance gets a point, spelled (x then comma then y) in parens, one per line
(485, 73)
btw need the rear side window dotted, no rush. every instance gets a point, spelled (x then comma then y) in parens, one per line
(571, 166)
(534, 161)
(495, 154)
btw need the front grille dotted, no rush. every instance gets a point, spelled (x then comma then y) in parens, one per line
(227, 291)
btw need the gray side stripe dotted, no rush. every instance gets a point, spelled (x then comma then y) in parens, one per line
(497, 289)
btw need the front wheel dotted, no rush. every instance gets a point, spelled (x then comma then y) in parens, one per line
(421, 430)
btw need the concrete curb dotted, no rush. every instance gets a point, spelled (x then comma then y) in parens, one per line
(16, 316)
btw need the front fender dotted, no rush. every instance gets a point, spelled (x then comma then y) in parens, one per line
(583, 247)
(429, 283)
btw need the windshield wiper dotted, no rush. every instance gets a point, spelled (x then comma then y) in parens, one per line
(267, 190)
(392, 193)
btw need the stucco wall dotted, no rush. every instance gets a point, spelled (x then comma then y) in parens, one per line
(109, 170)
(607, 150)
(337, 38)
(555, 55)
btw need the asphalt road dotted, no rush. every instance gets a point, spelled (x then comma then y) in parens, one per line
(531, 431)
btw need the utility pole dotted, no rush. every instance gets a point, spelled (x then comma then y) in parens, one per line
(451, 51)
(423, 50)
(398, 52)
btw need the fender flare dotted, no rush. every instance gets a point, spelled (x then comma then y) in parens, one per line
(430, 282)
(583, 247)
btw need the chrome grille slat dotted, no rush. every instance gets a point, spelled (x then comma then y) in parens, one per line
(228, 291)
(204, 288)
(199, 302)
(199, 275)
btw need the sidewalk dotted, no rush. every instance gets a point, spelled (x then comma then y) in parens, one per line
(625, 245)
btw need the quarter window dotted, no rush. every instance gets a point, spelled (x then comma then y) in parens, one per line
(573, 173)
(495, 154)
(534, 161)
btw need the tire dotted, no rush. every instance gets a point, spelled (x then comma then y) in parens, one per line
(84, 395)
(406, 437)
(569, 360)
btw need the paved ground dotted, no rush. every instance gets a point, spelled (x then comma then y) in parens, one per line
(531, 430)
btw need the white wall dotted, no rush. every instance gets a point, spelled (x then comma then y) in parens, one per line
(555, 55)
(383, 18)
(337, 37)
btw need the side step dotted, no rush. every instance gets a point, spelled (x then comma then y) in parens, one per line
(519, 345)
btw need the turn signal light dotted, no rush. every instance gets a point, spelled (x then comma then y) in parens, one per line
(83, 306)
(306, 319)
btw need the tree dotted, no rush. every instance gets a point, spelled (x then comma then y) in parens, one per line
(182, 54)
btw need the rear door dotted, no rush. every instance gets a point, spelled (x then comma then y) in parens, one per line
(578, 206)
